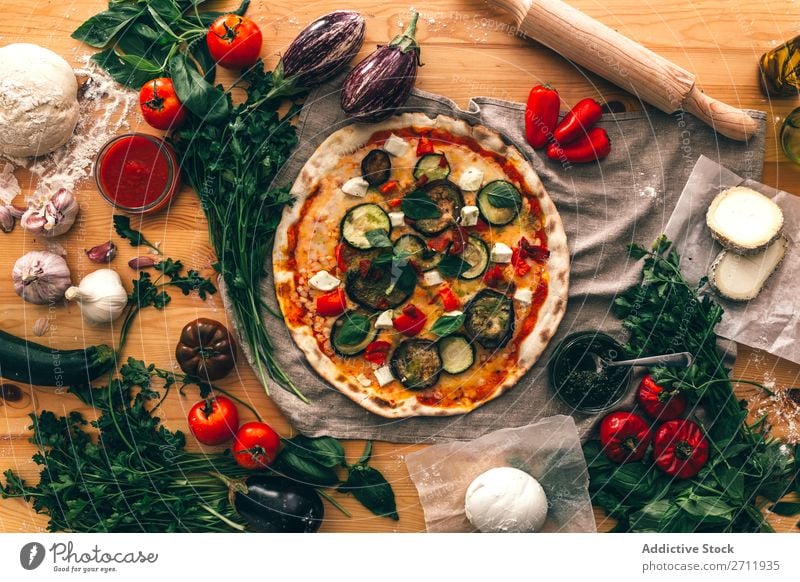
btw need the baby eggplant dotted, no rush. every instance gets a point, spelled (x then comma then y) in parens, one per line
(275, 504)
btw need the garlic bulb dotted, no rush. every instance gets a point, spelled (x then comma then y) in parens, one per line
(41, 277)
(101, 295)
(52, 217)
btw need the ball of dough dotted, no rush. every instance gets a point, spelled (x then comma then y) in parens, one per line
(38, 101)
(506, 500)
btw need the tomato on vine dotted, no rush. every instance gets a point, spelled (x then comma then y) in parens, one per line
(234, 41)
(160, 105)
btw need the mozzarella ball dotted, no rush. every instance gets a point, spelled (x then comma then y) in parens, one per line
(505, 499)
(38, 101)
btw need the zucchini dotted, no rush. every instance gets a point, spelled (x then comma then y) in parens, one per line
(457, 354)
(32, 363)
(432, 166)
(361, 219)
(352, 332)
(499, 202)
(489, 318)
(416, 364)
(376, 167)
(448, 198)
(476, 253)
(379, 290)
(417, 251)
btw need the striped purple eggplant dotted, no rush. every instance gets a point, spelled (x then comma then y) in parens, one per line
(383, 81)
(320, 50)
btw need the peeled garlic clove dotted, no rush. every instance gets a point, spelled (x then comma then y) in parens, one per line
(103, 253)
(142, 262)
(41, 326)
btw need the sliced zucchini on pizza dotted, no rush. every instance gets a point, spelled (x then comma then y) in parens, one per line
(489, 318)
(476, 253)
(416, 364)
(376, 167)
(448, 199)
(457, 353)
(380, 286)
(432, 167)
(362, 219)
(352, 332)
(417, 251)
(499, 202)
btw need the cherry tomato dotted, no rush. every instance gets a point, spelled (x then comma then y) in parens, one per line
(256, 445)
(214, 420)
(659, 403)
(680, 448)
(625, 436)
(160, 106)
(234, 41)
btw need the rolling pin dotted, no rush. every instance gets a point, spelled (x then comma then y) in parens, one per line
(601, 49)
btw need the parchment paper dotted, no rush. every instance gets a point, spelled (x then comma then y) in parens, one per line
(770, 321)
(549, 450)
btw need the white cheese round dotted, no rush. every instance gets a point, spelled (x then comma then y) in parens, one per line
(505, 499)
(38, 101)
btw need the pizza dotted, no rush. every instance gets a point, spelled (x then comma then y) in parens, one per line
(423, 268)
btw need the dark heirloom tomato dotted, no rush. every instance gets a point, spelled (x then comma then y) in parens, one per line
(659, 403)
(206, 350)
(680, 448)
(625, 436)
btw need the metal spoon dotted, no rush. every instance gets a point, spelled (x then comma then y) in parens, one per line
(679, 360)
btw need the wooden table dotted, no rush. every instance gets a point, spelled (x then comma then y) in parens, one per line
(468, 49)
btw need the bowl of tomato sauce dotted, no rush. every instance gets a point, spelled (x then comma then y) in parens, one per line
(137, 173)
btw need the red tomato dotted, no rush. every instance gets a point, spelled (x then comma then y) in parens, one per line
(234, 41)
(332, 304)
(256, 445)
(214, 420)
(625, 436)
(680, 448)
(160, 106)
(659, 403)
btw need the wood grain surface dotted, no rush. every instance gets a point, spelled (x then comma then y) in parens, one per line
(468, 49)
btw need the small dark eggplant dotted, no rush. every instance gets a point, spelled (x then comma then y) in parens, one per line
(320, 50)
(382, 82)
(278, 505)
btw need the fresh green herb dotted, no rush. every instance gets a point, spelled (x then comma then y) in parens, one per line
(354, 329)
(665, 312)
(417, 205)
(453, 266)
(504, 195)
(370, 487)
(122, 225)
(379, 238)
(448, 325)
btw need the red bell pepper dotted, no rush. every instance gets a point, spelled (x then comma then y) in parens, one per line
(341, 263)
(395, 202)
(625, 436)
(538, 253)
(450, 300)
(593, 146)
(659, 403)
(577, 122)
(422, 180)
(377, 352)
(518, 262)
(364, 266)
(387, 187)
(411, 321)
(441, 243)
(680, 448)
(494, 276)
(424, 146)
(541, 115)
(332, 304)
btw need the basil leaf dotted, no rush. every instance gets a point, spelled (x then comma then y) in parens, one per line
(371, 489)
(292, 465)
(325, 451)
(503, 194)
(786, 508)
(453, 266)
(122, 72)
(101, 28)
(378, 238)
(165, 13)
(205, 101)
(448, 325)
(407, 279)
(354, 330)
(141, 64)
(202, 55)
(207, 18)
(417, 205)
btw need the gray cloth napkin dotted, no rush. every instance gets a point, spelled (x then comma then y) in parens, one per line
(627, 198)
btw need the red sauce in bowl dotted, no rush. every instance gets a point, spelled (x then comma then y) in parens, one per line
(137, 173)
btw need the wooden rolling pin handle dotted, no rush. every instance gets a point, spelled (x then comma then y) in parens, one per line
(725, 119)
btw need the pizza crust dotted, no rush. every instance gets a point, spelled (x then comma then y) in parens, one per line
(349, 140)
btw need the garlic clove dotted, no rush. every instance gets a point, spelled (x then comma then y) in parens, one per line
(142, 262)
(103, 253)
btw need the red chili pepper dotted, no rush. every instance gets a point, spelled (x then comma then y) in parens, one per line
(577, 122)
(395, 202)
(424, 146)
(625, 436)
(518, 261)
(680, 448)
(659, 403)
(450, 300)
(388, 186)
(541, 115)
(411, 321)
(377, 352)
(341, 263)
(331, 304)
(536, 252)
(593, 146)
(494, 277)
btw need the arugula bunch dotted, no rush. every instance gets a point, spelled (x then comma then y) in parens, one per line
(745, 467)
